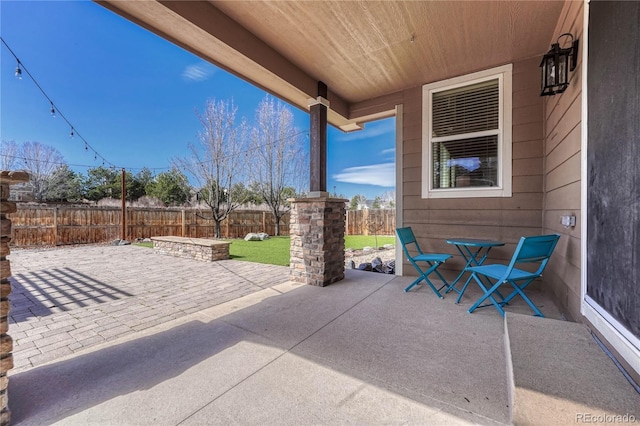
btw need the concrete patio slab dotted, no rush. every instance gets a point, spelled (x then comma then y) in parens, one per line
(275, 353)
(305, 392)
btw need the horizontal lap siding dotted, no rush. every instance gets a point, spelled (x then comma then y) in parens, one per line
(505, 219)
(562, 177)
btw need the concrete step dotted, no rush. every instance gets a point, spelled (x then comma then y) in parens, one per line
(558, 375)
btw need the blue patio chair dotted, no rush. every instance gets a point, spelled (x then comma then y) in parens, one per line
(433, 260)
(532, 250)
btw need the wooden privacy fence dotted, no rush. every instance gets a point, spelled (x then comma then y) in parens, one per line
(36, 225)
(371, 222)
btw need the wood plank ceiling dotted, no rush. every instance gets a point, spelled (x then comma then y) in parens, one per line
(366, 52)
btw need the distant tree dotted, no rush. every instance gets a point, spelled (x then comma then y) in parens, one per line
(253, 195)
(353, 204)
(40, 161)
(376, 203)
(138, 184)
(389, 198)
(102, 182)
(277, 157)
(218, 161)
(374, 226)
(357, 201)
(9, 151)
(64, 185)
(171, 187)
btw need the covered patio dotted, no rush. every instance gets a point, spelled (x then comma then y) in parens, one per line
(237, 343)
(360, 350)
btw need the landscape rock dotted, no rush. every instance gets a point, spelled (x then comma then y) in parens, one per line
(365, 267)
(388, 246)
(124, 243)
(367, 249)
(252, 236)
(115, 242)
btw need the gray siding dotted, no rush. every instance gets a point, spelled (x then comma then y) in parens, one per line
(562, 182)
(506, 219)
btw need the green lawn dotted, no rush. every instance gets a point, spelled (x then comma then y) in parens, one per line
(358, 242)
(275, 250)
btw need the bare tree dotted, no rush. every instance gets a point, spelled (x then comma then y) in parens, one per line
(40, 161)
(277, 157)
(217, 162)
(8, 155)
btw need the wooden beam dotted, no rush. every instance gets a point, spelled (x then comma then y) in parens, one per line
(318, 140)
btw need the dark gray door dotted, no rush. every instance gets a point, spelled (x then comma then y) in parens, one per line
(613, 160)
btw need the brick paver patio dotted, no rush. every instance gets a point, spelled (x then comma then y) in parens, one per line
(67, 299)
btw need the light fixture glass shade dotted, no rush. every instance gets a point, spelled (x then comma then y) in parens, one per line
(555, 66)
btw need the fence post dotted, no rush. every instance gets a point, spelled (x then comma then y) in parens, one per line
(346, 226)
(183, 221)
(55, 226)
(365, 221)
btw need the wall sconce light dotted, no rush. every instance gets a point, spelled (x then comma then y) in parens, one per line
(556, 64)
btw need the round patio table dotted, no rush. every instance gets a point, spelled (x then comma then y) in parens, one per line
(474, 252)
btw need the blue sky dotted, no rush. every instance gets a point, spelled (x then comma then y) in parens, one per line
(133, 96)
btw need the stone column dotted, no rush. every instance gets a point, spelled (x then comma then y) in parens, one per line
(6, 344)
(317, 240)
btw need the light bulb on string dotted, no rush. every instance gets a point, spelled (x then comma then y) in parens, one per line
(18, 71)
(95, 156)
(53, 111)
(86, 148)
(71, 133)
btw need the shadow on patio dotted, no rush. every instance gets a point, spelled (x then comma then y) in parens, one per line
(358, 351)
(57, 290)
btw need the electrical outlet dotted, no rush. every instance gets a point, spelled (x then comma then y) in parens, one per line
(568, 221)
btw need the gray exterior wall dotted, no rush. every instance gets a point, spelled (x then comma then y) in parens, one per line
(562, 181)
(505, 219)
(546, 179)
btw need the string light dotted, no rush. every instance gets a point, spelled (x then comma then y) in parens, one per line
(73, 131)
(55, 111)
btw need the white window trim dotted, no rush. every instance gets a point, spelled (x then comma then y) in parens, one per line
(503, 189)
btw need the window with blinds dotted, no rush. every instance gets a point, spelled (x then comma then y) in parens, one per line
(465, 138)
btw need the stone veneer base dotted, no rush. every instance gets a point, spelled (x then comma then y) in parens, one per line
(317, 240)
(192, 248)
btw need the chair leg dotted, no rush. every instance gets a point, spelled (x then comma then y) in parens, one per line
(464, 288)
(518, 290)
(488, 294)
(444, 282)
(423, 276)
(413, 284)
